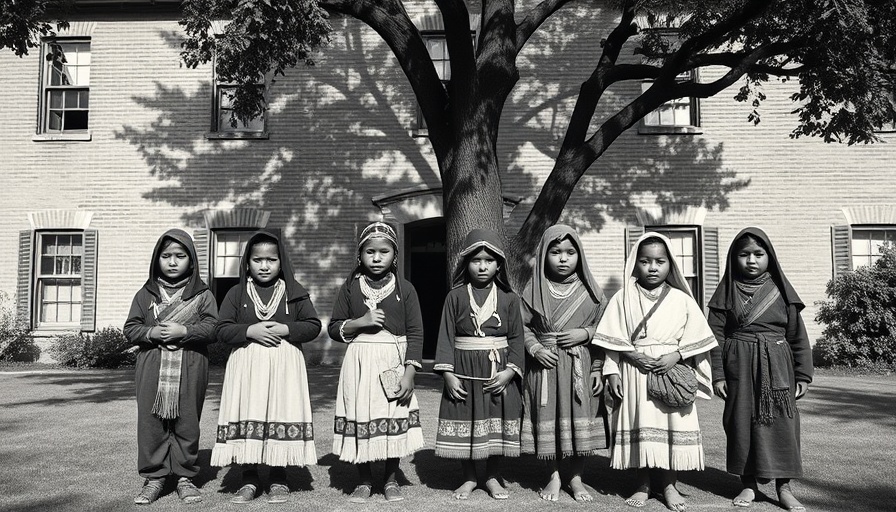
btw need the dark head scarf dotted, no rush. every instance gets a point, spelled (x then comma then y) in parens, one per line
(725, 296)
(294, 291)
(482, 239)
(195, 285)
(537, 292)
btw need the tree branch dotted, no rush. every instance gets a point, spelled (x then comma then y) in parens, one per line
(536, 17)
(733, 59)
(390, 20)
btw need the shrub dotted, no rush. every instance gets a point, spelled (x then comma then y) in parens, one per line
(16, 342)
(860, 317)
(107, 348)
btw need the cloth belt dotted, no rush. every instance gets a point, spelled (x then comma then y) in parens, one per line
(549, 341)
(491, 343)
(774, 384)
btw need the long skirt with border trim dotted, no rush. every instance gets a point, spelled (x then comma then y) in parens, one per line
(557, 423)
(484, 424)
(650, 434)
(368, 427)
(265, 415)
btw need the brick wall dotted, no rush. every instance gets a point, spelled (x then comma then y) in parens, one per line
(341, 134)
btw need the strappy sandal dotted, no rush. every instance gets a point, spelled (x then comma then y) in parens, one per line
(361, 494)
(152, 489)
(245, 494)
(392, 491)
(187, 491)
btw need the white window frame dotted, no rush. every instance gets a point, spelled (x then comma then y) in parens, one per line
(220, 115)
(696, 278)
(40, 277)
(217, 260)
(865, 232)
(78, 64)
(662, 125)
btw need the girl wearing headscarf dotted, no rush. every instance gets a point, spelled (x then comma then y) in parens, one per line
(480, 354)
(763, 366)
(265, 414)
(378, 314)
(562, 416)
(171, 321)
(650, 325)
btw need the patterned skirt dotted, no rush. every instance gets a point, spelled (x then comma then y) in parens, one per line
(558, 420)
(648, 433)
(484, 424)
(368, 426)
(265, 414)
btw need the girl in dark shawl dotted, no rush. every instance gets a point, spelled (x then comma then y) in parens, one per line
(171, 321)
(480, 353)
(265, 414)
(763, 366)
(563, 416)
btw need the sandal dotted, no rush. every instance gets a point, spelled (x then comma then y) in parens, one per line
(361, 494)
(278, 493)
(187, 491)
(245, 494)
(152, 489)
(392, 491)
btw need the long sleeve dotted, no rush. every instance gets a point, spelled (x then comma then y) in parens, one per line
(444, 361)
(717, 319)
(136, 329)
(798, 339)
(342, 312)
(413, 325)
(516, 342)
(229, 330)
(202, 331)
(304, 326)
(531, 340)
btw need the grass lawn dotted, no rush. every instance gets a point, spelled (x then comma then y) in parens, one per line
(68, 443)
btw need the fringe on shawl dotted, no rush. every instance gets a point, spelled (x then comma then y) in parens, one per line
(272, 453)
(683, 458)
(478, 453)
(379, 449)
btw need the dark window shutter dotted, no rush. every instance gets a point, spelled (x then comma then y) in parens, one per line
(25, 282)
(711, 256)
(841, 245)
(88, 281)
(632, 233)
(201, 243)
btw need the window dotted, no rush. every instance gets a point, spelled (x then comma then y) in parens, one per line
(681, 115)
(686, 249)
(227, 252)
(58, 276)
(867, 241)
(226, 126)
(437, 46)
(65, 87)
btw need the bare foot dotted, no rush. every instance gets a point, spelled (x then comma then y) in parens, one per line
(551, 492)
(787, 499)
(639, 498)
(495, 489)
(463, 492)
(579, 493)
(674, 501)
(745, 498)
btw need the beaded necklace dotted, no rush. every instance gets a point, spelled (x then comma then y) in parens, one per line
(264, 311)
(373, 296)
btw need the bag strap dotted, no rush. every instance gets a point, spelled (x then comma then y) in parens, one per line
(649, 314)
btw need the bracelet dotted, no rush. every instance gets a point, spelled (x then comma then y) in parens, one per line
(342, 332)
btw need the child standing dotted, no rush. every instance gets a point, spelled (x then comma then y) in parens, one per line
(762, 368)
(265, 415)
(172, 320)
(563, 416)
(480, 353)
(649, 326)
(378, 314)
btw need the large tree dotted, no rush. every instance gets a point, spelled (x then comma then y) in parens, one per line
(840, 51)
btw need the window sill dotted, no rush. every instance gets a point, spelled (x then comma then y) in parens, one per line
(237, 135)
(669, 130)
(44, 331)
(63, 137)
(419, 133)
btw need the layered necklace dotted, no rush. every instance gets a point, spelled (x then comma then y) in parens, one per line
(564, 289)
(374, 295)
(264, 311)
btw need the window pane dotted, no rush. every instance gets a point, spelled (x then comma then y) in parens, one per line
(48, 312)
(64, 244)
(76, 313)
(232, 267)
(55, 121)
(50, 290)
(84, 99)
(64, 313)
(56, 99)
(71, 99)
(682, 115)
(48, 244)
(233, 247)
(76, 291)
(76, 265)
(75, 120)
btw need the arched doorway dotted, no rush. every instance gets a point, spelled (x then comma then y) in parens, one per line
(425, 266)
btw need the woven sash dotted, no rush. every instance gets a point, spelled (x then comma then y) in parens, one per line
(491, 343)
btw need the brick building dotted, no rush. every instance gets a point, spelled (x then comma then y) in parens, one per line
(101, 157)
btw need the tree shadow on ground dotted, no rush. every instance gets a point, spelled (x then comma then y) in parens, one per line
(848, 406)
(91, 386)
